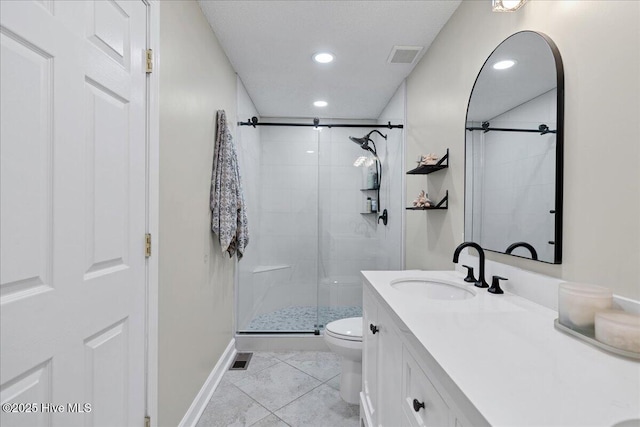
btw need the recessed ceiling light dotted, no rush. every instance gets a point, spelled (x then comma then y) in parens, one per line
(310, 151)
(323, 57)
(321, 103)
(503, 65)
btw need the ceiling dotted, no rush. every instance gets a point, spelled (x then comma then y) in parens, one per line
(270, 44)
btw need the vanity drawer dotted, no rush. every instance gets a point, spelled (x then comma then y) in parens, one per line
(418, 390)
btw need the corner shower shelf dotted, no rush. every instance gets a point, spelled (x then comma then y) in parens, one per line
(427, 169)
(369, 189)
(441, 205)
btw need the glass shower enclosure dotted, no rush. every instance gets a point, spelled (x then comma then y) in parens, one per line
(309, 194)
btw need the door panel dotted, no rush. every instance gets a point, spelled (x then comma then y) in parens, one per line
(108, 29)
(31, 386)
(25, 168)
(72, 278)
(106, 375)
(107, 181)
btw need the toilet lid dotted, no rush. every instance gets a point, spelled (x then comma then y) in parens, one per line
(348, 329)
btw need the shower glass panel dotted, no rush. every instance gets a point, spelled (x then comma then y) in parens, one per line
(311, 228)
(347, 231)
(277, 289)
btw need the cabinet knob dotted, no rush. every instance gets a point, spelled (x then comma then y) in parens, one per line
(373, 328)
(417, 405)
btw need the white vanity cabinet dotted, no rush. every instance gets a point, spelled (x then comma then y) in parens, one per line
(369, 393)
(392, 378)
(481, 361)
(422, 405)
(381, 366)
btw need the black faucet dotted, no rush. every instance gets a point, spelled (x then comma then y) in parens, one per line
(534, 254)
(481, 283)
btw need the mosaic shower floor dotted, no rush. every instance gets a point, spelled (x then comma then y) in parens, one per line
(301, 318)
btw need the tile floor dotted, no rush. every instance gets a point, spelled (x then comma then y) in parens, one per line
(282, 389)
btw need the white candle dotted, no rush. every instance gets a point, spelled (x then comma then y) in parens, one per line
(578, 304)
(618, 329)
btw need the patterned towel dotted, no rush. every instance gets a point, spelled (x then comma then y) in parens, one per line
(229, 214)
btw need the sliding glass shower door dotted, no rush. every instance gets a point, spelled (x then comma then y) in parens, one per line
(277, 289)
(314, 225)
(347, 227)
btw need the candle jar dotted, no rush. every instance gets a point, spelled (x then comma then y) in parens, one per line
(578, 304)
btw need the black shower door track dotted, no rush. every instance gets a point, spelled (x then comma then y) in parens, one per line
(317, 124)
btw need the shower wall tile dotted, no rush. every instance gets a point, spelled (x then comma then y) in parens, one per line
(287, 153)
(304, 248)
(345, 152)
(277, 200)
(275, 223)
(348, 201)
(346, 177)
(274, 178)
(303, 225)
(304, 269)
(301, 177)
(271, 156)
(276, 250)
(288, 134)
(544, 146)
(304, 201)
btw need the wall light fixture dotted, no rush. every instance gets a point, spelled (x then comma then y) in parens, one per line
(506, 5)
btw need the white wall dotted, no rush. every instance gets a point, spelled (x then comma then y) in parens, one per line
(599, 42)
(196, 278)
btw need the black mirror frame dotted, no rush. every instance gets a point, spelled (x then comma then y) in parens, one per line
(557, 242)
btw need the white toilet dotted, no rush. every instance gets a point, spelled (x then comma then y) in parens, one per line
(344, 337)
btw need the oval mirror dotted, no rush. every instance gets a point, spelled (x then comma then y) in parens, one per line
(513, 150)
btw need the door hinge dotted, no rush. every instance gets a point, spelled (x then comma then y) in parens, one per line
(147, 421)
(149, 60)
(147, 245)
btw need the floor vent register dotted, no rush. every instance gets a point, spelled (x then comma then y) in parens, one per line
(241, 362)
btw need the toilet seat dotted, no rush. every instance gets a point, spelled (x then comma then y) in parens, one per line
(349, 329)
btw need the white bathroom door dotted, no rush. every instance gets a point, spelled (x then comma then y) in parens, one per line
(72, 213)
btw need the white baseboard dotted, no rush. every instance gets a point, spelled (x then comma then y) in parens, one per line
(198, 405)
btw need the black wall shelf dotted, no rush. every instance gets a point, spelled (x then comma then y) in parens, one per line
(427, 169)
(441, 205)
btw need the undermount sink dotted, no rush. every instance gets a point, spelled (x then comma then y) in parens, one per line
(433, 289)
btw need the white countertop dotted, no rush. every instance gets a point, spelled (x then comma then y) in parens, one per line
(505, 355)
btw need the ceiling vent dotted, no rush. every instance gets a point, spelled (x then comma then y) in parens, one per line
(403, 54)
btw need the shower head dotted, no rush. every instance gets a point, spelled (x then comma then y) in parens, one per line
(364, 141)
(364, 144)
